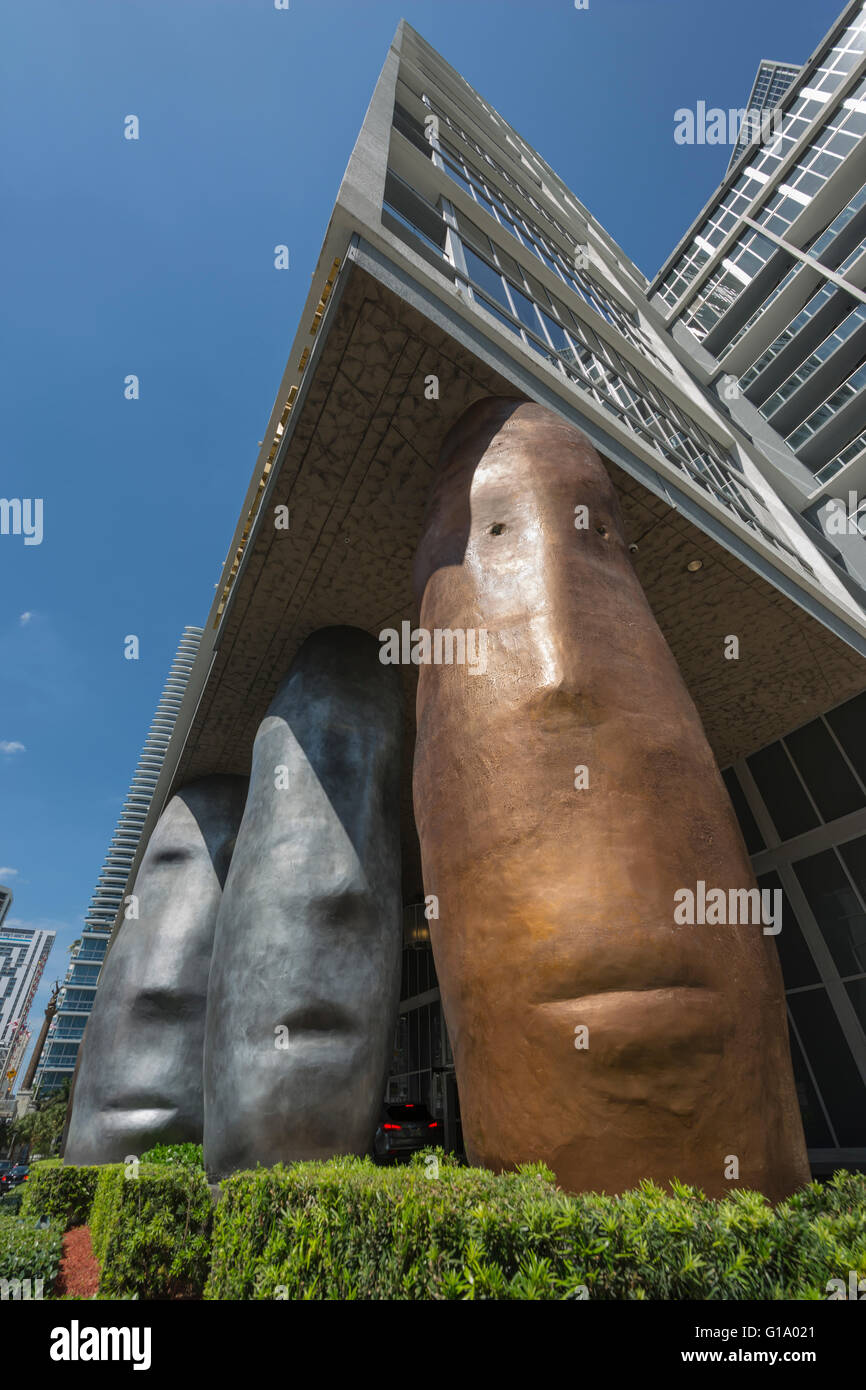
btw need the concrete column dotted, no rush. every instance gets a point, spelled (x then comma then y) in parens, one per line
(304, 988)
(563, 796)
(139, 1080)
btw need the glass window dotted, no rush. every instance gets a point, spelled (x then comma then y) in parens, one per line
(857, 991)
(557, 333)
(485, 203)
(837, 911)
(524, 308)
(84, 975)
(798, 963)
(509, 265)
(748, 825)
(486, 277)
(824, 770)
(436, 1035)
(782, 792)
(854, 858)
(413, 973)
(537, 290)
(77, 999)
(492, 309)
(411, 227)
(457, 176)
(472, 234)
(414, 1041)
(830, 1057)
(848, 723)
(817, 1131)
(400, 1060)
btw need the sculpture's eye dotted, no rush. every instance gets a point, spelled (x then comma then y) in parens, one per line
(171, 856)
(497, 529)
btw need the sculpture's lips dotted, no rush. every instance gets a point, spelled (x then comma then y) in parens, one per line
(649, 995)
(138, 1104)
(319, 1017)
(654, 1018)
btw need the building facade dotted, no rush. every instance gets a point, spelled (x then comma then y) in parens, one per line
(457, 265)
(23, 954)
(771, 83)
(12, 1060)
(82, 976)
(768, 291)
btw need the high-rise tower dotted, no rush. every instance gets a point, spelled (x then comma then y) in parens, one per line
(79, 986)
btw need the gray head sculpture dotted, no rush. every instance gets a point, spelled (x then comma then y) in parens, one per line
(140, 1075)
(304, 987)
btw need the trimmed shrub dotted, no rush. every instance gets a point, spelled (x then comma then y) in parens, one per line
(61, 1191)
(348, 1229)
(188, 1155)
(28, 1252)
(104, 1214)
(10, 1202)
(151, 1232)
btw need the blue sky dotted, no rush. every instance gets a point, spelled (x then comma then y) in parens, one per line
(155, 257)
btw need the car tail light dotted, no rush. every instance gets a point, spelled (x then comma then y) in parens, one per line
(392, 1126)
(434, 1124)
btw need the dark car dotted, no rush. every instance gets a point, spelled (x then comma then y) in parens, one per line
(18, 1173)
(6, 1166)
(403, 1130)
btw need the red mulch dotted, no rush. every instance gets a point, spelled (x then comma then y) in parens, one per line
(79, 1268)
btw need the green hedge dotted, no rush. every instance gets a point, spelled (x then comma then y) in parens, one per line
(28, 1251)
(348, 1229)
(62, 1191)
(187, 1155)
(151, 1232)
(104, 1214)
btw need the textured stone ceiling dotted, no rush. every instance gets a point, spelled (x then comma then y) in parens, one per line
(356, 475)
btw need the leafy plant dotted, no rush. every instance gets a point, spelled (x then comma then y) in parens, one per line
(347, 1230)
(62, 1191)
(151, 1231)
(29, 1252)
(187, 1155)
(433, 1229)
(40, 1129)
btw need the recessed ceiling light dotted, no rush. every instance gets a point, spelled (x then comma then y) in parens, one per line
(694, 565)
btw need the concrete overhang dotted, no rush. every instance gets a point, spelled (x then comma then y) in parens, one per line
(355, 469)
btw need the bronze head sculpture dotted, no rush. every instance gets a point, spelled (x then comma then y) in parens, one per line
(562, 798)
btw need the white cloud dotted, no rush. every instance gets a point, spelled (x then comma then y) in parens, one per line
(11, 746)
(8, 873)
(25, 619)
